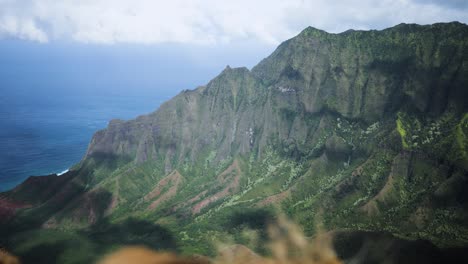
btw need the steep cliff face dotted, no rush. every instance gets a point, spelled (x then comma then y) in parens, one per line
(220, 115)
(372, 74)
(360, 75)
(364, 130)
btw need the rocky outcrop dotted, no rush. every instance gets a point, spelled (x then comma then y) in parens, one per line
(371, 74)
(364, 75)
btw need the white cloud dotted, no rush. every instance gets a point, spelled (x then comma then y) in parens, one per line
(206, 21)
(22, 28)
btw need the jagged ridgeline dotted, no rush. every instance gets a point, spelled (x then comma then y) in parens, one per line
(362, 130)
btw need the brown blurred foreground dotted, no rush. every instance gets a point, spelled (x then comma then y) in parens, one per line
(6, 258)
(288, 246)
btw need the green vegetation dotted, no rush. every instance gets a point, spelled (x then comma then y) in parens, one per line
(401, 130)
(461, 138)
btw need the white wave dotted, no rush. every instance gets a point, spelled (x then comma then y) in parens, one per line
(63, 172)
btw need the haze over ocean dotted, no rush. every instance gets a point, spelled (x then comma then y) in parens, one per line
(53, 97)
(41, 136)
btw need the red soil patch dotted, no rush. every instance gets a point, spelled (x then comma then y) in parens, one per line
(223, 177)
(277, 198)
(114, 200)
(189, 202)
(84, 208)
(87, 208)
(198, 197)
(67, 193)
(231, 188)
(371, 207)
(36, 190)
(175, 179)
(8, 208)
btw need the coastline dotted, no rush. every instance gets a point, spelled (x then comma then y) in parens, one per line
(63, 172)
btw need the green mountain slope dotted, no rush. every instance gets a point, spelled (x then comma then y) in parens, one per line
(362, 130)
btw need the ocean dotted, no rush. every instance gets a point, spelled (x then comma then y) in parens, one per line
(54, 96)
(40, 137)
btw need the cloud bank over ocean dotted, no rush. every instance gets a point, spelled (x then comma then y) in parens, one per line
(209, 22)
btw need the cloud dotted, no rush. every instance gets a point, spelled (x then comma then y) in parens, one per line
(455, 4)
(209, 21)
(22, 28)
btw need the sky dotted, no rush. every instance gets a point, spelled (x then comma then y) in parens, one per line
(147, 45)
(209, 22)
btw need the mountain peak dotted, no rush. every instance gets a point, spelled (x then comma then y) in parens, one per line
(312, 31)
(235, 69)
(316, 32)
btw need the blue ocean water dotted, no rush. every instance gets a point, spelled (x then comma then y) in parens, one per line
(40, 137)
(54, 96)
